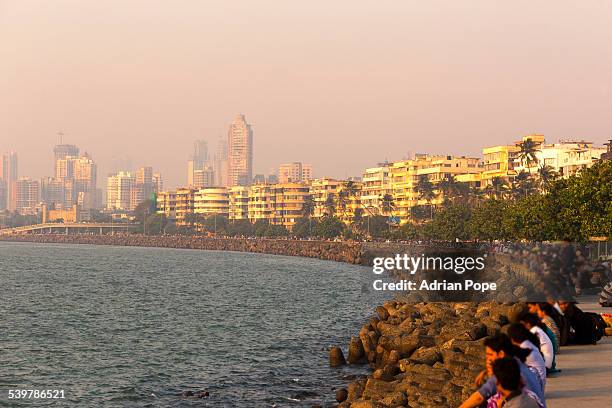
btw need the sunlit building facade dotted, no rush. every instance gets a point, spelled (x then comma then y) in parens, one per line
(212, 201)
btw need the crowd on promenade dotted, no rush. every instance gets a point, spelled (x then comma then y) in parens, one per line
(519, 360)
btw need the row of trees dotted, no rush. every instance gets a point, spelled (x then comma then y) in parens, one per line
(575, 209)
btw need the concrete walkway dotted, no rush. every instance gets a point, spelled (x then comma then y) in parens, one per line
(585, 379)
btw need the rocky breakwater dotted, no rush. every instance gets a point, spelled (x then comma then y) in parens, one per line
(349, 252)
(421, 354)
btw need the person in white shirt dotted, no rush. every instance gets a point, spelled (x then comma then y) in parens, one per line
(520, 336)
(534, 325)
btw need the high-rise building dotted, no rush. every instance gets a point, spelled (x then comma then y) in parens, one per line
(158, 182)
(240, 152)
(9, 173)
(79, 176)
(62, 151)
(220, 163)
(85, 175)
(197, 161)
(204, 178)
(126, 190)
(2, 194)
(200, 153)
(142, 188)
(119, 191)
(295, 172)
(27, 195)
(52, 192)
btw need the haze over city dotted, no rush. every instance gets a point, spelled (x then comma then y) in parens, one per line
(341, 85)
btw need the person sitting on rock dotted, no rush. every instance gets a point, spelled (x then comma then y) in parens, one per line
(510, 392)
(523, 338)
(533, 323)
(499, 347)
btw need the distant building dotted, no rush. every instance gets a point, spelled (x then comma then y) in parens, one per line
(295, 172)
(79, 176)
(240, 152)
(184, 204)
(204, 178)
(220, 163)
(376, 184)
(142, 189)
(239, 203)
(126, 190)
(608, 154)
(62, 151)
(211, 201)
(119, 191)
(68, 215)
(566, 157)
(27, 196)
(166, 204)
(259, 179)
(52, 191)
(158, 182)
(9, 173)
(3, 195)
(404, 177)
(197, 161)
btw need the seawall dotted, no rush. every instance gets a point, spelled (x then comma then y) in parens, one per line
(349, 252)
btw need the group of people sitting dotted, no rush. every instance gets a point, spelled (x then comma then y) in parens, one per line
(519, 360)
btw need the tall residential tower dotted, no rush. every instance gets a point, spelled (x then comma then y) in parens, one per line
(240, 152)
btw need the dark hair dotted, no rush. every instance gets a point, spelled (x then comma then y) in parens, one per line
(508, 373)
(532, 320)
(519, 333)
(502, 342)
(547, 309)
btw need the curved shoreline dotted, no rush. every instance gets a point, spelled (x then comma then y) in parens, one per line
(348, 252)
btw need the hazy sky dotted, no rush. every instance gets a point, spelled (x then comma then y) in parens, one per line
(339, 84)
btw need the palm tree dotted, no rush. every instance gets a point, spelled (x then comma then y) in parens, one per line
(387, 204)
(475, 193)
(523, 183)
(308, 206)
(342, 202)
(426, 191)
(450, 187)
(527, 154)
(547, 174)
(350, 188)
(330, 205)
(497, 187)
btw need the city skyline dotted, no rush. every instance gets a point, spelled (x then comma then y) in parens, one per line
(373, 82)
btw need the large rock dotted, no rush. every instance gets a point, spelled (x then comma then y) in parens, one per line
(356, 353)
(383, 314)
(341, 395)
(404, 344)
(377, 389)
(355, 389)
(395, 399)
(336, 358)
(426, 355)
